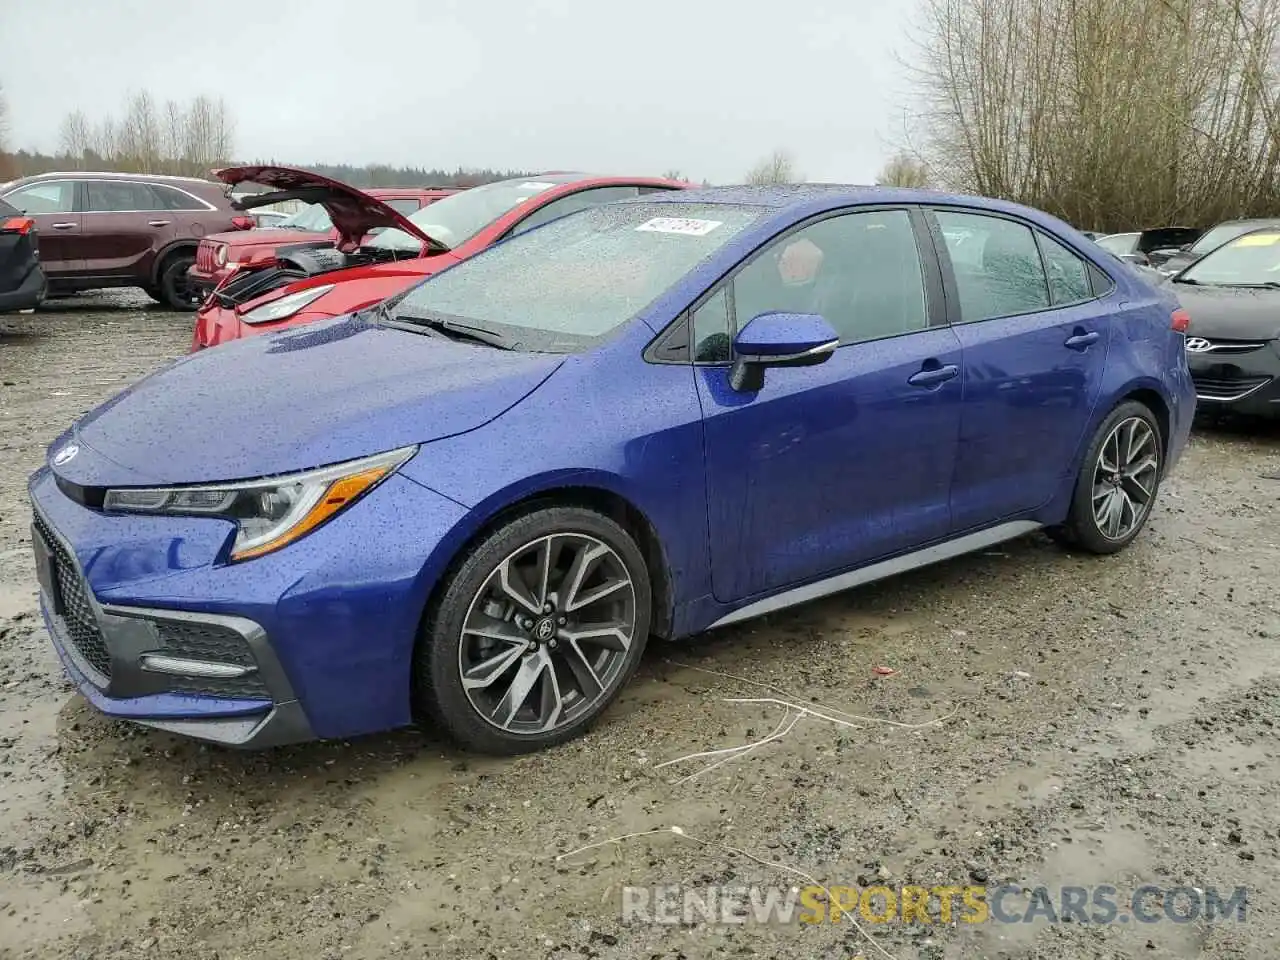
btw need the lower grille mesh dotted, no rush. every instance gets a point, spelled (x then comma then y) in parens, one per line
(78, 616)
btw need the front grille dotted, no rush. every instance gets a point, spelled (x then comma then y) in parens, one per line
(77, 616)
(211, 642)
(1226, 388)
(205, 262)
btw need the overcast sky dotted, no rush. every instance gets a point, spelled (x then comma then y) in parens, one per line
(704, 86)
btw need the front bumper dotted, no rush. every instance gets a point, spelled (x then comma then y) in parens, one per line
(1243, 376)
(204, 675)
(214, 325)
(313, 641)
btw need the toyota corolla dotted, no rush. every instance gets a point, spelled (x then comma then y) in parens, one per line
(476, 502)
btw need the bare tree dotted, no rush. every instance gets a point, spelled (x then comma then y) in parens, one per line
(173, 135)
(8, 165)
(675, 173)
(904, 170)
(778, 167)
(75, 137)
(1113, 114)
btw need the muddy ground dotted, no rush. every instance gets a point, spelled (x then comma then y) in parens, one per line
(1103, 721)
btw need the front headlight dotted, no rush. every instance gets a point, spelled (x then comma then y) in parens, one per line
(268, 513)
(286, 306)
(220, 255)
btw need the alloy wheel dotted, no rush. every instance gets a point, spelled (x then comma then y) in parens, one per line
(548, 633)
(1125, 478)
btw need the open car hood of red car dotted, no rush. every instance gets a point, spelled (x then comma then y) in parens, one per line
(353, 212)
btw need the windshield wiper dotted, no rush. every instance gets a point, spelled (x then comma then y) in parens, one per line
(451, 329)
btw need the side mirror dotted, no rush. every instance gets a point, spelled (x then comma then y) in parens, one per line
(779, 340)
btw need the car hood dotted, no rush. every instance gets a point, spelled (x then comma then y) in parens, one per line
(1231, 313)
(239, 239)
(300, 398)
(353, 212)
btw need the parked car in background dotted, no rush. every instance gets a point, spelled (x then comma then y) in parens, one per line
(123, 229)
(1232, 295)
(475, 505)
(220, 255)
(267, 294)
(265, 219)
(22, 281)
(1144, 247)
(1210, 240)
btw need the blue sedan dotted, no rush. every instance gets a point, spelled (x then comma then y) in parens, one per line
(475, 503)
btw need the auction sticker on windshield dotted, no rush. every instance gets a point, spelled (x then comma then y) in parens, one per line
(684, 225)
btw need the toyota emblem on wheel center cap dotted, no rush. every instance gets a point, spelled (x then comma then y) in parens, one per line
(1198, 345)
(65, 455)
(545, 630)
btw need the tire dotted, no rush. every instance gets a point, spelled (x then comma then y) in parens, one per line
(1129, 438)
(174, 290)
(524, 657)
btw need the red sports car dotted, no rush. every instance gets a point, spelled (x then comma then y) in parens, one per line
(220, 254)
(264, 294)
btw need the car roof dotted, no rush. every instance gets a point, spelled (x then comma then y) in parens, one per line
(809, 198)
(110, 175)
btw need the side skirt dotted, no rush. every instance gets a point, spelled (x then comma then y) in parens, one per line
(879, 571)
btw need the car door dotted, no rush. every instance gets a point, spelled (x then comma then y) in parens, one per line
(51, 203)
(1035, 347)
(830, 466)
(124, 224)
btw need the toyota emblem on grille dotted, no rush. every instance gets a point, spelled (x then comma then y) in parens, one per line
(1198, 345)
(65, 455)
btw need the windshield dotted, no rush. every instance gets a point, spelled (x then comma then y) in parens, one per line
(312, 218)
(457, 218)
(1249, 261)
(561, 287)
(1219, 235)
(1118, 242)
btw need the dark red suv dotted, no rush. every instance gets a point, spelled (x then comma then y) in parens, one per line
(123, 229)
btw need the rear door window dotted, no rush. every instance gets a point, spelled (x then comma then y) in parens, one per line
(1000, 273)
(119, 196)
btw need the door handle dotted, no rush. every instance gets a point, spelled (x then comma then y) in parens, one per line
(933, 376)
(1081, 340)
(65, 226)
(158, 223)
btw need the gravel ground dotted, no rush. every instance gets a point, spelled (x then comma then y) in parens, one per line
(1103, 721)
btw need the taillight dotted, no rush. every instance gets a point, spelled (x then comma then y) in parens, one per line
(1180, 320)
(17, 225)
(243, 223)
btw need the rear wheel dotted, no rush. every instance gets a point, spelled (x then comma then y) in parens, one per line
(175, 290)
(535, 632)
(1118, 482)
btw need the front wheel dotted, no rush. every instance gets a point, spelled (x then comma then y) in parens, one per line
(535, 632)
(1118, 482)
